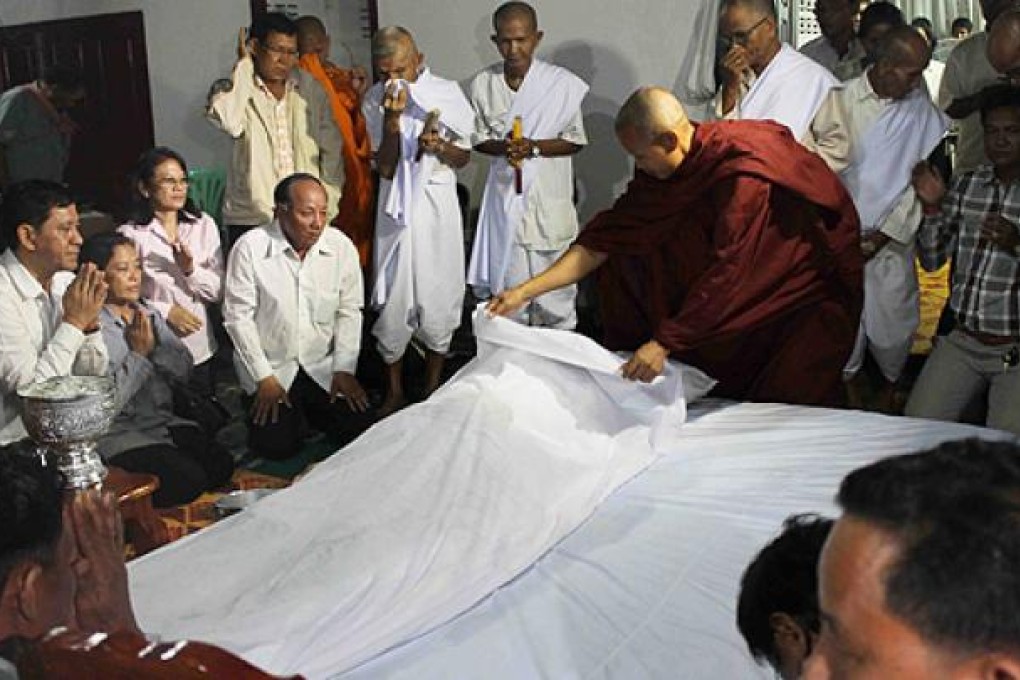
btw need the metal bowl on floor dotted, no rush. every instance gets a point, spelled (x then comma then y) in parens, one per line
(236, 501)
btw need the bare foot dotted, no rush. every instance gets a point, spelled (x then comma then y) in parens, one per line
(392, 404)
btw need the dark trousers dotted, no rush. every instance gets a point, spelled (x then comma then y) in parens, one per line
(192, 464)
(308, 403)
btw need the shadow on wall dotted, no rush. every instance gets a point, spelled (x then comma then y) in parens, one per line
(603, 168)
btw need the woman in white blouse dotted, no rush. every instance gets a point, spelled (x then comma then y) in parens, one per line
(182, 259)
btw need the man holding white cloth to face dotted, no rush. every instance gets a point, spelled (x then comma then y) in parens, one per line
(872, 132)
(763, 78)
(527, 217)
(419, 125)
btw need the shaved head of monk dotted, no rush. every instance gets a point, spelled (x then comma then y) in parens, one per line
(1004, 44)
(653, 127)
(312, 37)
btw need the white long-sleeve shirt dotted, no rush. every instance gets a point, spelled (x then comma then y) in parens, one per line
(284, 313)
(35, 342)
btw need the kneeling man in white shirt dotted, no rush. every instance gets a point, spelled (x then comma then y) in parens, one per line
(292, 307)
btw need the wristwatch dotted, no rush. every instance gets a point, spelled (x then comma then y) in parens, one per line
(535, 151)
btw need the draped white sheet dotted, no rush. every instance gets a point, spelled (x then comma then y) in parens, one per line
(424, 515)
(646, 588)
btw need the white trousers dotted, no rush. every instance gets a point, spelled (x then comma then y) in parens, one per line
(426, 292)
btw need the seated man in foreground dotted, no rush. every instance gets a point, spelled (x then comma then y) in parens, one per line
(65, 611)
(48, 327)
(292, 307)
(918, 578)
(57, 567)
(734, 249)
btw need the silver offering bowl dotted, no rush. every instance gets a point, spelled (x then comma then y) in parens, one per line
(65, 416)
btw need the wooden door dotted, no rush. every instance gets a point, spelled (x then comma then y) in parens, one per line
(115, 120)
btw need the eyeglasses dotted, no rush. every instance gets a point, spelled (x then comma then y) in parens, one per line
(740, 37)
(173, 183)
(281, 51)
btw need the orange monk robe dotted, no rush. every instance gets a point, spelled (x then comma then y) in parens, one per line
(357, 201)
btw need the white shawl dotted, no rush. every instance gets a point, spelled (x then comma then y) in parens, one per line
(428, 93)
(789, 91)
(904, 133)
(548, 99)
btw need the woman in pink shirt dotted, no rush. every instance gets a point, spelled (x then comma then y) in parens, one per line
(182, 260)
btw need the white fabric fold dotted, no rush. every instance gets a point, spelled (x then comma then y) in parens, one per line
(547, 100)
(428, 512)
(789, 91)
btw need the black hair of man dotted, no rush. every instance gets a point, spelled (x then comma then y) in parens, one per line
(927, 28)
(64, 77)
(29, 202)
(878, 13)
(954, 512)
(782, 578)
(271, 22)
(98, 249)
(961, 23)
(764, 7)
(1000, 96)
(31, 506)
(515, 10)
(282, 195)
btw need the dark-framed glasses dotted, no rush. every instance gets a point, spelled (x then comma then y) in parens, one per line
(740, 37)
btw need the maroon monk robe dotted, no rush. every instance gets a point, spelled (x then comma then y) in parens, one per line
(745, 263)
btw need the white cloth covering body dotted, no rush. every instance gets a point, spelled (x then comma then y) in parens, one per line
(35, 342)
(542, 219)
(874, 143)
(647, 588)
(425, 514)
(789, 91)
(284, 313)
(419, 232)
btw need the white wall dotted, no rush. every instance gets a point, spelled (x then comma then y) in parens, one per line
(615, 47)
(190, 44)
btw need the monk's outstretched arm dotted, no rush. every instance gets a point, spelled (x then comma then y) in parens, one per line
(572, 266)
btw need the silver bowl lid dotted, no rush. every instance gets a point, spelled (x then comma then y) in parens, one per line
(67, 388)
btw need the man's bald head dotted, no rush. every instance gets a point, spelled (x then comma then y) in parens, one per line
(391, 41)
(651, 111)
(903, 46)
(515, 10)
(312, 36)
(653, 127)
(901, 56)
(760, 7)
(1004, 43)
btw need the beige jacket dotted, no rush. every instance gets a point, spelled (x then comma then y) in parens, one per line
(244, 115)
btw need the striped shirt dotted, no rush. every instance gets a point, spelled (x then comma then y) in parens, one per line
(985, 291)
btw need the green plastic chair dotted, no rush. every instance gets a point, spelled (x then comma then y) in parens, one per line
(206, 188)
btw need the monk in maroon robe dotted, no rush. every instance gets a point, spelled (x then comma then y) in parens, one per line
(734, 249)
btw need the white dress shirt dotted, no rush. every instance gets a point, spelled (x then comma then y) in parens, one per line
(165, 284)
(35, 342)
(284, 313)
